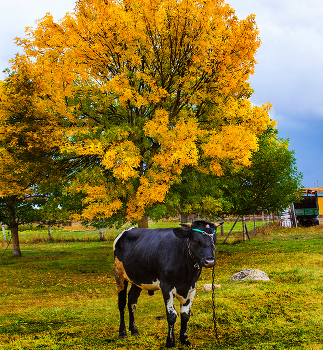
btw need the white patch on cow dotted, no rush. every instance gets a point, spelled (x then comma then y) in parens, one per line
(182, 299)
(153, 286)
(170, 302)
(186, 308)
(119, 236)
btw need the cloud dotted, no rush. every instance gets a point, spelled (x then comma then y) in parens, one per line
(289, 74)
(291, 56)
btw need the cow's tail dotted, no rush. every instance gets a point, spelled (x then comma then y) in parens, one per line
(120, 274)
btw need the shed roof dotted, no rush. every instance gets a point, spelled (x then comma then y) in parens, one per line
(317, 189)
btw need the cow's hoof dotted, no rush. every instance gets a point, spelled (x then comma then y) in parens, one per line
(170, 344)
(123, 335)
(185, 342)
(135, 332)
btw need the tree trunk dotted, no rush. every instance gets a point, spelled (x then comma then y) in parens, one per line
(101, 234)
(15, 239)
(184, 218)
(143, 222)
(49, 232)
(13, 225)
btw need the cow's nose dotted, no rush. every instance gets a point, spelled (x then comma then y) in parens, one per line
(209, 262)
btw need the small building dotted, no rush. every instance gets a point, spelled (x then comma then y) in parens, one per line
(319, 191)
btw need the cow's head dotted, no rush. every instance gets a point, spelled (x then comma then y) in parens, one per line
(201, 238)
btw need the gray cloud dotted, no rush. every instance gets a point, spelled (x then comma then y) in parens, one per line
(289, 74)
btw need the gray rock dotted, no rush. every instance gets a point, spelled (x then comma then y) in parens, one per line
(250, 274)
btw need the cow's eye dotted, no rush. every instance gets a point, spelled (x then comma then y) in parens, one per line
(197, 242)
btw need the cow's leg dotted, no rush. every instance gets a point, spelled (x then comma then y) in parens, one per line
(122, 302)
(133, 295)
(185, 316)
(171, 316)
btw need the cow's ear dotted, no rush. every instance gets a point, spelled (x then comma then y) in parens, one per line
(182, 232)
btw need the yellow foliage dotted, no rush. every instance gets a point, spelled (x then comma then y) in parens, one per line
(148, 87)
(177, 141)
(28, 133)
(123, 159)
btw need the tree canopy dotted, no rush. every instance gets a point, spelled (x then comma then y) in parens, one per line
(270, 183)
(143, 89)
(28, 149)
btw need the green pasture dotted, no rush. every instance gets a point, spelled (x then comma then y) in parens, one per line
(34, 234)
(62, 295)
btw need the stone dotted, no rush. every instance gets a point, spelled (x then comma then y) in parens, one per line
(208, 287)
(250, 274)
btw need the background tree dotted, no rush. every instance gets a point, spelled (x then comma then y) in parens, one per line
(28, 148)
(197, 193)
(270, 183)
(60, 207)
(144, 89)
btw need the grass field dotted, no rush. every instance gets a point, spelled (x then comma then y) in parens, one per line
(61, 295)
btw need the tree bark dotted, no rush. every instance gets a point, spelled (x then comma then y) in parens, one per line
(15, 239)
(49, 232)
(184, 218)
(101, 234)
(13, 225)
(143, 222)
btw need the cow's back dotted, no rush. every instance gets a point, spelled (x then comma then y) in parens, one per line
(142, 255)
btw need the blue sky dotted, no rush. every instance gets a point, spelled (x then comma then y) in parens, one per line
(289, 73)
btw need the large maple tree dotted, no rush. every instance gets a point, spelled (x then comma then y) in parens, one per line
(144, 88)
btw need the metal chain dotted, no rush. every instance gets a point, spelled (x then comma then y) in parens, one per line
(197, 266)
(213, 305)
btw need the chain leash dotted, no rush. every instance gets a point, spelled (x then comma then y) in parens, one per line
(213, 306)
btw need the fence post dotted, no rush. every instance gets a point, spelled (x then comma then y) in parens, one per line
(4, 233)
(244, 229)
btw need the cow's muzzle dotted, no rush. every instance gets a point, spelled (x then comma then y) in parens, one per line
(209, 262)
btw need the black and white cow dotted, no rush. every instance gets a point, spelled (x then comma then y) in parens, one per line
(167, 259)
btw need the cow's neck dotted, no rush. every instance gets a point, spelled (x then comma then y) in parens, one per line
(191, 264)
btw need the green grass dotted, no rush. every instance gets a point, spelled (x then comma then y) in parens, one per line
(62, 295)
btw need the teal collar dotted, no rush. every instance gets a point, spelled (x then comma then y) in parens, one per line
(203, 232)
